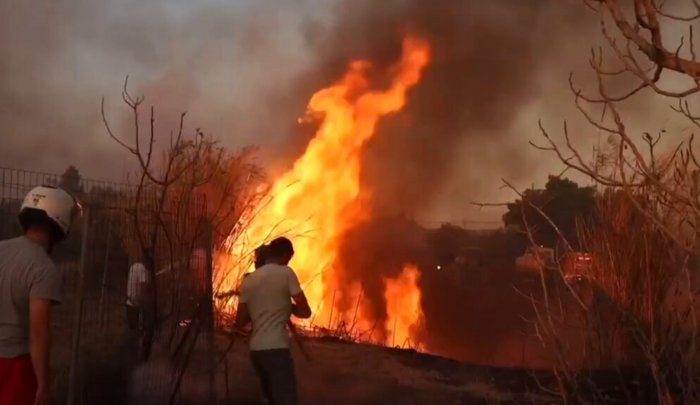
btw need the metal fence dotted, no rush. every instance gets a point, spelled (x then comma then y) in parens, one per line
(95, 354)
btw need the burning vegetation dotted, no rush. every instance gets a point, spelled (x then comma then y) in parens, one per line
(321, 197)
(349, 162)
(404, 311)
(611, 275)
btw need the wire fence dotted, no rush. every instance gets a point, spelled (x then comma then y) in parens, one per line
(96, 357)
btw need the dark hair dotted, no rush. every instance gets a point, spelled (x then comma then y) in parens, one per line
(280, 247)
(261, 255)
(31, 217)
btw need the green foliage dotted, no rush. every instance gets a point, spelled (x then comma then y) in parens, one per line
(562, 202)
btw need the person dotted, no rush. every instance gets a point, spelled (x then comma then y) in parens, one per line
(260, 258)
(268, 297)
(137, 287)
(30, 283)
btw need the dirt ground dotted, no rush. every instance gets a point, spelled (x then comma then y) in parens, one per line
(343, 373)
(335, 373)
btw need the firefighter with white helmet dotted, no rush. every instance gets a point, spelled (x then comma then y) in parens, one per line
(30, 283)
(51, 207)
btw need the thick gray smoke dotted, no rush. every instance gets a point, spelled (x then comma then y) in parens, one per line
(490, 61)
(220, 61)
(245, 70)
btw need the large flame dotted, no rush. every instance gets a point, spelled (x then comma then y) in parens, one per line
(403, 308)
(320, 197)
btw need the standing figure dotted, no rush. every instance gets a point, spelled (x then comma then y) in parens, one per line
(30, 283)
(138, 284)
(268, 297)
(140, 310)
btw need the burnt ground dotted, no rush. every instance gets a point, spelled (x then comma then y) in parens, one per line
(345, 373)
(336, 373)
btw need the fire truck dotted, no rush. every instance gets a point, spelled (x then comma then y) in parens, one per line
(538, 258)
(535, 259)
(576, 265)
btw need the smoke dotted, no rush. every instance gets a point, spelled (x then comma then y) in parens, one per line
(244, 73)
(377, 249)
(488, 65)
(220, 62)
(49, 95)
(490, 62)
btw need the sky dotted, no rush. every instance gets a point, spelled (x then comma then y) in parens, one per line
(242, 70)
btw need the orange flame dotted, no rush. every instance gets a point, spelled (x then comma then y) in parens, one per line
(320, 197)
(403, 307)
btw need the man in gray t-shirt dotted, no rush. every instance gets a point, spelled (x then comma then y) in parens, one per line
(26, 272)
(30, 284)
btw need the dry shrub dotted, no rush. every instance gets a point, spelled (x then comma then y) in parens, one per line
(644, 277)
(633, 310)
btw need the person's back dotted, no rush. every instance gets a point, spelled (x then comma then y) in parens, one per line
(26, 272)
(268, 291)
(268, 297)
(29, 286)
(136, 285)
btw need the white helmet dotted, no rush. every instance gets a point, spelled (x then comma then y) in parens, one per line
(52, 205)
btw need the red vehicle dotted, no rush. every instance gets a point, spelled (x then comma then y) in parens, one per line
(535, 259)
(577, 264)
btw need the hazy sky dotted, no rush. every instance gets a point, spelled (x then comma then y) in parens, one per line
(230, 64)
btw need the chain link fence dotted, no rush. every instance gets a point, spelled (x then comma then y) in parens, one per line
(96, 357)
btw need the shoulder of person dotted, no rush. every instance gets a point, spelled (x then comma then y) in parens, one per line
(138, 266)
(7, 242)
(246, 277)
(43, 268)
(45, 262)
(245, 282)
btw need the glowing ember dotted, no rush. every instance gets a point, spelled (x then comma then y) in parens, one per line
(404, 313)
(319, 198)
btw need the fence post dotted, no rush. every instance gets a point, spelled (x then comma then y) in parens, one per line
(78, 312)
(210, 321)
(105, 266)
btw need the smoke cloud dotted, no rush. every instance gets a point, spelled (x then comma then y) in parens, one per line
(220, 62)
(490, 62)
(245, 71)
(493, 62)
(489, 59)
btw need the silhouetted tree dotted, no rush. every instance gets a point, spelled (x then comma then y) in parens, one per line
(562, 202)
(71, 180)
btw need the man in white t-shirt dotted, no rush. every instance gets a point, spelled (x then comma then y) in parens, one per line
(137, 287)
(268, 297)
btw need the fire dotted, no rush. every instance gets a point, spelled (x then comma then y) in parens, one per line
(403, 307)
(320, 197)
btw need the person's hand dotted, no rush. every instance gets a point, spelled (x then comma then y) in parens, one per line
(42, 396)
(244, 331)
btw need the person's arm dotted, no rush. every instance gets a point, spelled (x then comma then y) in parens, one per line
(300, 307)
(242, 316)
(40, 344)
(242, 313)
(143, 286)
(45, 290)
